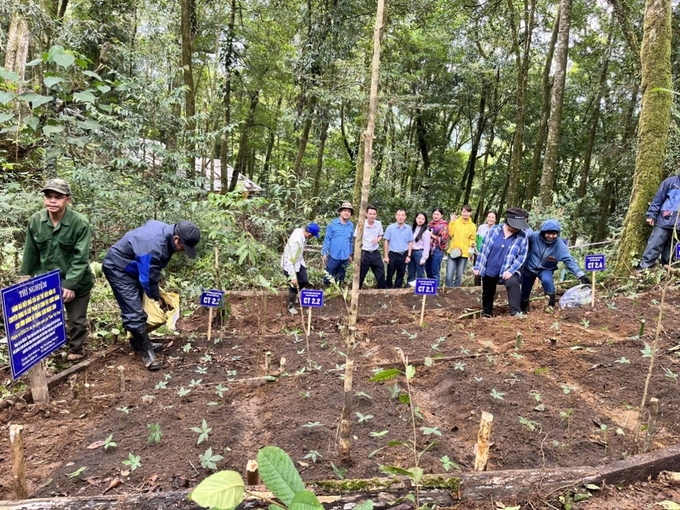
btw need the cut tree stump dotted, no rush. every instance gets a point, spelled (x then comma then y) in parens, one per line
(443, 490)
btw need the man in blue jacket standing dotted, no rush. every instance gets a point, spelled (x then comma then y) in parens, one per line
(337, 248)
(546, 250)
(661, 215)
(133, 266)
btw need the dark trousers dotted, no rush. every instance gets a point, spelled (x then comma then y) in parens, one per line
(302, 282)
(76, 318)
(336, 269)
(128, 293)
(512, 285)
(658, 245)
(396, 265)
(373, 261)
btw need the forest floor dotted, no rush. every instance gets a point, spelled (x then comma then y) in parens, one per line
(564, 390)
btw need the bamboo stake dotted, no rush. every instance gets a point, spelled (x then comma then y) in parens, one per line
(483, 441)
(651, 424)
(16, 442)
(422, 312)
(121, 378)
(344, 436)
(252, 473)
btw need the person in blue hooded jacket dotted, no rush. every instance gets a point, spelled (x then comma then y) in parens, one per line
(546, 250)
(133, 266)
(661, 215)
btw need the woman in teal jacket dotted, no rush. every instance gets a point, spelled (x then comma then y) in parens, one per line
(546, 250)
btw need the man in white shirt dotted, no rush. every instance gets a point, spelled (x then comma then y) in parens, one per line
(370, 253)
(293, 263)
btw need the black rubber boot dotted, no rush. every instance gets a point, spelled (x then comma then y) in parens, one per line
(524, 306)
(551, 299)
(140, 338)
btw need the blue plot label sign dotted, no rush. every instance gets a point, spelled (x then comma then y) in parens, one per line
(677, 251)
(595, 263)
(212, 298)
(426, 287)
(34, 320)
(310, 297)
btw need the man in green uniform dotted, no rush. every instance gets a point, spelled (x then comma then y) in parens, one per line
(60, 238)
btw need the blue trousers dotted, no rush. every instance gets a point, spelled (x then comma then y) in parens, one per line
(415, 270)
(658, 244)
(335, 268)
(455, 267)
(529, 277)
(433, 264)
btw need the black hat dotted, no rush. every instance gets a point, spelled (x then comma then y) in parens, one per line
(517, 218)
(189, 234)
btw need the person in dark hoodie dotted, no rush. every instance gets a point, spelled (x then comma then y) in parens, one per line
(133, 266)
(546, 250)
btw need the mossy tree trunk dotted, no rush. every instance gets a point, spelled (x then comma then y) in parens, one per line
(652, 129)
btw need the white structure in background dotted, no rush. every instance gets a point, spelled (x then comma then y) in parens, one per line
(203, 167)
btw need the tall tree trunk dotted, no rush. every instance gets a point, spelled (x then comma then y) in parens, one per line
(229, 61)
(652, 128)
(344, 436)
(243, 150)
(556, 103)
(264, 176)
(522, 59)
(476, 140)
(323, 136)
(187, 29)
(304, 136)
(533, 184)
(423, 147)
(622, 13)
(17, 46)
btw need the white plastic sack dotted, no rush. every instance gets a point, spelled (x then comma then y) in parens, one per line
(576, 296)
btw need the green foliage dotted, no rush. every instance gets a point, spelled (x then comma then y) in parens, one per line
(203, 431)
(208, 460)
(133, 461)
(155, 433)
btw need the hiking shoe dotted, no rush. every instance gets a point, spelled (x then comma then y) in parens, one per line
(292, 310)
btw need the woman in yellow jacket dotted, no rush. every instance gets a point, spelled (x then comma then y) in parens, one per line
(462, 234)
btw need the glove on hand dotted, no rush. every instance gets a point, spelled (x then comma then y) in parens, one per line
(585, 280)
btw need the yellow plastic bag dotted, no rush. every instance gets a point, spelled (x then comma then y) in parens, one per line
(157, 317)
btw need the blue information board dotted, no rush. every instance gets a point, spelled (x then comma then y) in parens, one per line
(34, 320)
(212, 298)
(677, 251)
(595, 263)
(426, 287)
(311, 297)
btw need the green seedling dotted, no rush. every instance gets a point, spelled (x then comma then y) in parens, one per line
(363, 418)
(530, 424)
(518, 341)
(603, 430)
(540, 406)
(379, 434)
(464, 351)
(313, 455)
(161, 385)
(193, 383)
(428, 362)
(155, 433)
(459, 365)
(77, 472)
(566, 415)
(585, 323)
(133, 461)
(362, 394)
(208, 460)
(516, 355)
(394, 390)
(201, 370)
(186, 347)
(448, 463)
(566, 389)
(339, 471)
(438, 342)
(125, 409)
(429, 431)
(221, 390)
(647, 352)
(203, 431)
(670, 374)
(305, 394)
(207, 358)
(409, 335)
(622, 360)
(183, 392)
(312, 424)
(109, 443)
(497, 394)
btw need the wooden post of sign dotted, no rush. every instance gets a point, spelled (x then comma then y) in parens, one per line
(38, 382)
(592, 288)
(210, 310)
(309, 332)
(483, 441)
(16, 442)
(422, 311)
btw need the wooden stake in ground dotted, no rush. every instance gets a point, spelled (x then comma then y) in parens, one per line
(38, 382)
(592, 288)
(16, 442)
(483, 441)
(252, 473)
(651, 423)
(422, 312)
(344, 436)
(121, 378)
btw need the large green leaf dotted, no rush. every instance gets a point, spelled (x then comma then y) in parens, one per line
(223, 490)
(86, 96)
(63, 58)
(396, 470)
(5, 97)
(279, 474)
(35, 99)
(89, 124)
(4, 117)
(385, 375)
(80, 141)
(49, 129)
(92, 74)
(103, 88)
(32, 122)
(51, 81)
(8, 75)
(305, 500)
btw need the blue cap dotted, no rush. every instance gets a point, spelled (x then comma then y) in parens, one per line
(313, 229)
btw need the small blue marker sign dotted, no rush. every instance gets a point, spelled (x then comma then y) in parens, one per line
(595, 263)
(34, 320)
(677, 251)
(426, 287)
(310, 297)
(212, 298)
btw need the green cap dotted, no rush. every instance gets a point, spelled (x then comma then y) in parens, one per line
(58, 185)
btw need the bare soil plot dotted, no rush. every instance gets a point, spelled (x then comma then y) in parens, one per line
(564, 391)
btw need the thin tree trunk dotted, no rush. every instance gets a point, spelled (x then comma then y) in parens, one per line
(556, 103)
(533, 183)
(522, 59)
(323, 136)
(474, 149)
(622, 13)
(17, 46)
(186, 28)
(229, 60)
(243, 151)
(344, 436)
(652, 129)
(304, 136)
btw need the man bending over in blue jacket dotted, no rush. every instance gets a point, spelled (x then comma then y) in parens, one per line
(133, 266)
(546, 249)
